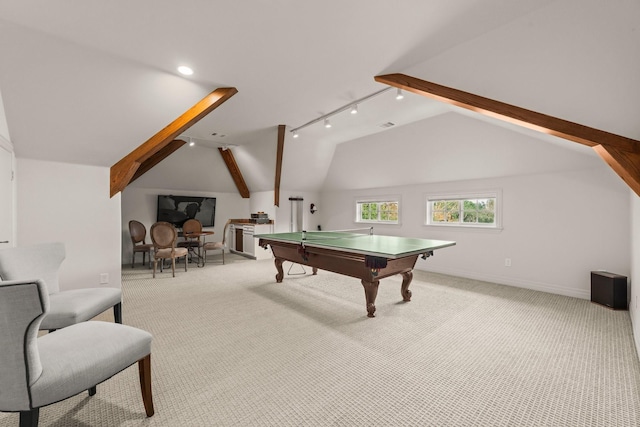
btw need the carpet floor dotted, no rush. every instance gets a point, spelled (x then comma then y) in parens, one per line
(234, 348)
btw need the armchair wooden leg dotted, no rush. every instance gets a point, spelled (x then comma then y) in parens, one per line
(117, 312)
(155, 265)
(92, 390)
(144, 367)
(29, 418)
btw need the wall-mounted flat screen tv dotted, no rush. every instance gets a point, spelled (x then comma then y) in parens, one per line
(178, 209)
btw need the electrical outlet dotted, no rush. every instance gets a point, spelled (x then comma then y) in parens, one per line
(507, 262)
(104, 278)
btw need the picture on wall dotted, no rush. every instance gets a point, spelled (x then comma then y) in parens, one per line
(177, 209)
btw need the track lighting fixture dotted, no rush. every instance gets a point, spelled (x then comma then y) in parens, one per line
(399, 94)
(352, 107)
(204, 143)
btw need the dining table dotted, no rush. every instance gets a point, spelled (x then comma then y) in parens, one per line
(193, 236)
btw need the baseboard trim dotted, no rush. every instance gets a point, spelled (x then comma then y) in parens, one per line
(518, 283)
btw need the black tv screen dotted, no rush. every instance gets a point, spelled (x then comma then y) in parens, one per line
(178, 209)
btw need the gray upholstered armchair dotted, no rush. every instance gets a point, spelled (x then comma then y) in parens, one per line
(36, 372)
(67, 307)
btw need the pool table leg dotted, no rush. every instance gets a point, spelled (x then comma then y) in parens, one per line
(404, 289)
(280, 275)
(370, 293)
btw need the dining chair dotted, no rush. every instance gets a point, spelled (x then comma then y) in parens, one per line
(39, 371)
(164, 236)
(191, 243)
(216, 246)
(67, 307)
(138, 234)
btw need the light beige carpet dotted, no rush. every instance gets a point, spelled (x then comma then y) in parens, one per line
(233, 348)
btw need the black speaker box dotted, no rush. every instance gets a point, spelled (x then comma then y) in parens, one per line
(609, 289)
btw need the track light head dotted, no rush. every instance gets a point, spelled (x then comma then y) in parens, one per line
(399, 94)
(295, 134)
(354, 109)
(327, 123)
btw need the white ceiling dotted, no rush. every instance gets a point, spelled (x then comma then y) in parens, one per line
(88, 82)
(99, 78)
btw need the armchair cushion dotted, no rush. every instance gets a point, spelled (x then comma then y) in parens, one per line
(78, 305)
(83, 355)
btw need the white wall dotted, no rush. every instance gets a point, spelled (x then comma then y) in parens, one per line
(634, 306)
(574, 59)
(141, 204)
(9, 213)
(449, 147)
(70, 204)
(263, 201)
(557, 227)
(4, 127)
(281, 215)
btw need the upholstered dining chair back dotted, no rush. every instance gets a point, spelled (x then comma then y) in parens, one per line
(164, 236)
(191, 226)
(138, 233)
(217, 246)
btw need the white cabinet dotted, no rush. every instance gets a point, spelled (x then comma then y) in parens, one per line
(247, 240)
(243, 242)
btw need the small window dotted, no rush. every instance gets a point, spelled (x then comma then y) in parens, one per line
(378, 211)
(463, 210)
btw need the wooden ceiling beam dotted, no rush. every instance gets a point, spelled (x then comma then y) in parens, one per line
(510, 113)
(234, 170)
(624, 163)
(281, 133)
(162, 154)
(162, 144)
(621, 153)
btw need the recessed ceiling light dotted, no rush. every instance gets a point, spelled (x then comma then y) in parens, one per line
(185, 70)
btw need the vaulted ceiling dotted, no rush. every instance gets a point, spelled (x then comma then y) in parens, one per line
(90, 82)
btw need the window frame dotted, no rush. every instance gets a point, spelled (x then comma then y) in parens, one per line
(461, 196)
(378, 200)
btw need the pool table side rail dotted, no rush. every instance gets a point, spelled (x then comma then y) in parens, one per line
(359, 245)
